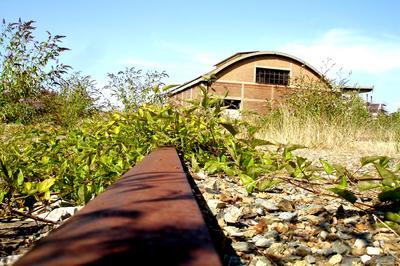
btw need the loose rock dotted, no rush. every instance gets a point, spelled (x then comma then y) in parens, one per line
(340, 247)
(269, 205)
(365, 258)
(232, 214)
(373, 251)
(263, 242)
(242, 246)
(286, 205)
(59, 214)
(335, 259)
(287, 216)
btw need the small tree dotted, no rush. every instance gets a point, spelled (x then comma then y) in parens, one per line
(75, 99)
(133, 88)
(28, 67)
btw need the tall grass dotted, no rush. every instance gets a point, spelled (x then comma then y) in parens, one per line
(324, 120)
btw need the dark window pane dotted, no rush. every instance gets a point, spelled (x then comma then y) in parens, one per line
(232, 104)
(272, 76)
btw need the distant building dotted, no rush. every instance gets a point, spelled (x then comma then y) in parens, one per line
(254, 80)
(376, 108)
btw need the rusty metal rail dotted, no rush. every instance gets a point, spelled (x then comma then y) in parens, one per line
(148, 217)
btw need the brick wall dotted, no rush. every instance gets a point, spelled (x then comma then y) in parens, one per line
(238, 81)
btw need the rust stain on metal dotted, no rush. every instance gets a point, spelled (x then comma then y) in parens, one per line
(148, 217)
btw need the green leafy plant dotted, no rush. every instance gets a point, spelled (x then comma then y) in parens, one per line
(133, 88)
(28, 67)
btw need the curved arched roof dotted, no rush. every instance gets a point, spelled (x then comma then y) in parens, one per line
(224, 64)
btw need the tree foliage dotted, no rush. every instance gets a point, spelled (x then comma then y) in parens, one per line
(133, 88)
(34, 85)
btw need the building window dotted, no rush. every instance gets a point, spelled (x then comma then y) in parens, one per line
(232, 104)
(272, 76)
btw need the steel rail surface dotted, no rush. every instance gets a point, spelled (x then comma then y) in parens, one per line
(148, 217)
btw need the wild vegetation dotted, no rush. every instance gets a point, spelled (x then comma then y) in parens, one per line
(319, 119)
(67, 148)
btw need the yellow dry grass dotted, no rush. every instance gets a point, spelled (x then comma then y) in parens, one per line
(340, 136)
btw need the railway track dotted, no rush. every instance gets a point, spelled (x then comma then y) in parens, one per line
(148, 217)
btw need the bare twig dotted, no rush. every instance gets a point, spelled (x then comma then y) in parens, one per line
(27, 215)
(385, 224)
(291, 181)
(390, 229)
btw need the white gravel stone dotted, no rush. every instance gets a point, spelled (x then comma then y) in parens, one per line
(232, 214)
(232, 231)
(59, 214)
(373, 251)
(201, 175)
(287, 216)
(365, 258)
(335, 259)
(242, 246)
(264, 242)
(262, 261)
(269, 205)
(323, 235)
(360, 243)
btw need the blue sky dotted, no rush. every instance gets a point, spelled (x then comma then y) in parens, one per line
(186, 38)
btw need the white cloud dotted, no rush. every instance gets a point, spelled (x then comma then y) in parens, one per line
(350, 50)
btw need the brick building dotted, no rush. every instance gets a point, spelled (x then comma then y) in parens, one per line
(255, 80)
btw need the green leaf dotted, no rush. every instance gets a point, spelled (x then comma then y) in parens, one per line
(116, 130)
(343, 182)
(344, 193)
(340, 170)
(120, 164)
(46, 195)
(293, 147)
(300, 161)
(257, 170)
(267, 183)
(367, 185)
(245, 179)
(195, 164)
(213, 167)
(45, 160)
(5, 171)
(28, 188)
(390, 195)
(250, 163)
(371, 159)
(229, 171)
(82, 193)
(394, 217)
(327, 167)
(298, 173)
(230, 128)
(2, 194)
(45, 185)
(287, 155)
(251, 186)
(385, 173)
(20, 178)
(258, 142)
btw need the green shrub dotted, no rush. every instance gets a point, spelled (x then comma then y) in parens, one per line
(27, 68)
(133, 88)
(75, 100)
